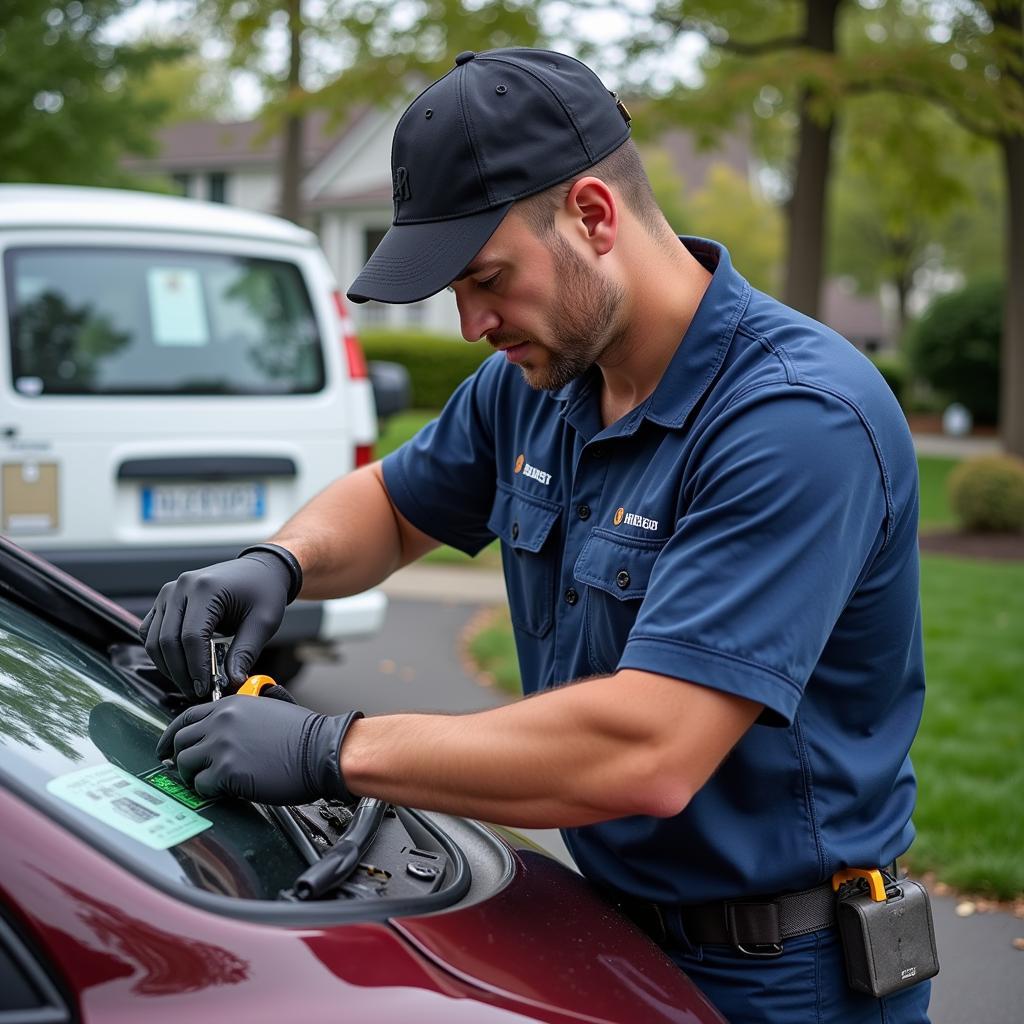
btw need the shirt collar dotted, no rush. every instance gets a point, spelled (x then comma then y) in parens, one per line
(702, 350)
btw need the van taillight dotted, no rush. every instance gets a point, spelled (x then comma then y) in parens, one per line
(356, 362)
(350, 343)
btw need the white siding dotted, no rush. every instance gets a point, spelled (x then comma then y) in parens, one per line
(253, 190)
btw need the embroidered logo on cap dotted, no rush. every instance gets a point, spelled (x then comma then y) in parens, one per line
(401, 191)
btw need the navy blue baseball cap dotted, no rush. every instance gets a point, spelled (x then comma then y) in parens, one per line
(500, 126)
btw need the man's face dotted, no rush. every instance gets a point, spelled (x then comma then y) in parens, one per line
(538, 300)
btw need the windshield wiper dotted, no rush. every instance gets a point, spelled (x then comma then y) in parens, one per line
(335, 867)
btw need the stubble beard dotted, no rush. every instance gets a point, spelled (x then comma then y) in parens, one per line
(584, 324)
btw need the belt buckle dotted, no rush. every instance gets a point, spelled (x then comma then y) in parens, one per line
(755, 950)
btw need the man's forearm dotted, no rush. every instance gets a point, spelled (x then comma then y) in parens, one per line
(605, 748)
(349, 537)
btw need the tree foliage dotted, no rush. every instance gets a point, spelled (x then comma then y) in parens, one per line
(728, 210)
(343, 53)
(65, 104)
(898, 211)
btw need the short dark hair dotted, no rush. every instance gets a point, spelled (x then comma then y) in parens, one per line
(623, 169)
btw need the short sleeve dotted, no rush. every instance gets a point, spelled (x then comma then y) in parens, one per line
(443, 479)
(784, 510)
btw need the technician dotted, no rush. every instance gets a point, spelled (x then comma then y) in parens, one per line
(707, 504)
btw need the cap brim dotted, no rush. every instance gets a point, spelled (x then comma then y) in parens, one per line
(414, 261)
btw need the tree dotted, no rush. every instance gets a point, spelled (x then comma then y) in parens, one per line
(189, 89)
(750, 227)
(936, 207)
(988, 38)
(65, 105)
(384, 47)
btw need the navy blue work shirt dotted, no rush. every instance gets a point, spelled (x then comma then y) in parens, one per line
(751, 527)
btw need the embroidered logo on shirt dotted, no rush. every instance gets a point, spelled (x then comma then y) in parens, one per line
(631, 519)
(522, 466)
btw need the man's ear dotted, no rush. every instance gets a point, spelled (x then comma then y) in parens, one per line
(592, 206)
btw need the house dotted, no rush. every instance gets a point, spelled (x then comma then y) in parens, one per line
(346, 199)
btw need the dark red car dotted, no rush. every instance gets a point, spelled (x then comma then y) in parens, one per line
(124, 897)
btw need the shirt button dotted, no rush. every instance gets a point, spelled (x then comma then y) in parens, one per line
(596, 452)
(583, 511)
(515, 531)
(622, 579)
(571, 597)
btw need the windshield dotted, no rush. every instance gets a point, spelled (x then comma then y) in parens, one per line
(82, 741)
(90, 321)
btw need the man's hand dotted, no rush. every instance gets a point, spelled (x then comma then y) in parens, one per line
(245, 596)
(259, 749)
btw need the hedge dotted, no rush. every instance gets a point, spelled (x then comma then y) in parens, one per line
(893, 367)
(954, 347)
(987, 494)
(437, 363)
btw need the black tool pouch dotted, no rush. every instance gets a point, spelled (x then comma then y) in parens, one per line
(888, 942)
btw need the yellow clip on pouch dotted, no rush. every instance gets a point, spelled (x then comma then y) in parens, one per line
(885, 924)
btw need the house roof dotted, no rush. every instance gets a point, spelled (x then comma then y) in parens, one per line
(212, 145)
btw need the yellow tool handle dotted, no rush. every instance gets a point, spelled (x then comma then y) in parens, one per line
(255, 685)
(876, 884)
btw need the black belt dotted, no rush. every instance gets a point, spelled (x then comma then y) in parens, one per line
(755, 926)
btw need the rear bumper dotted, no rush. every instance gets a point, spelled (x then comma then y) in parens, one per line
(133, 577)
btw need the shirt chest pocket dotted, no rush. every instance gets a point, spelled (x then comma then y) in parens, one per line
(617, 571)
(525, 525)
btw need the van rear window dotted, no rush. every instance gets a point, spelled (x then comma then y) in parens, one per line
(90, 321)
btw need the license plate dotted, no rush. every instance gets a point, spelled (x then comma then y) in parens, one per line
(203, 503)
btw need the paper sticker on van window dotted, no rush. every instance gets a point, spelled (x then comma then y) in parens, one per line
(176, 306)
(120, 800)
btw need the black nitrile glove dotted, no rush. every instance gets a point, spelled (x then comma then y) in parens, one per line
(259, 749)
(245, 596)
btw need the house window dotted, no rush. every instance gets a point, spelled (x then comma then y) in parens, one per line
(217, 187)
(183, 181)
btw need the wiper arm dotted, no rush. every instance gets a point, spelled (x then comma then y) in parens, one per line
(335, 867)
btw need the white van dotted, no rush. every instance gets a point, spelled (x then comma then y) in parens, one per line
(176, 379)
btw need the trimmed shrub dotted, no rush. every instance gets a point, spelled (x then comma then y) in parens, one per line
(894, 369)
(954, 347)
(437, 363)
(987, 494)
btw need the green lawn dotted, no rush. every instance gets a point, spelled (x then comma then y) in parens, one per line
(935, 510)
(398, 429)
(969, 754)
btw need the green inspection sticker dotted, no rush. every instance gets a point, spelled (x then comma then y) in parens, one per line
(130, 805)
(161, 779)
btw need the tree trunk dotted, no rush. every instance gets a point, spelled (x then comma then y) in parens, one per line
(1011, 371)
(805, 213)
(1011, 363)
(289, 205)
